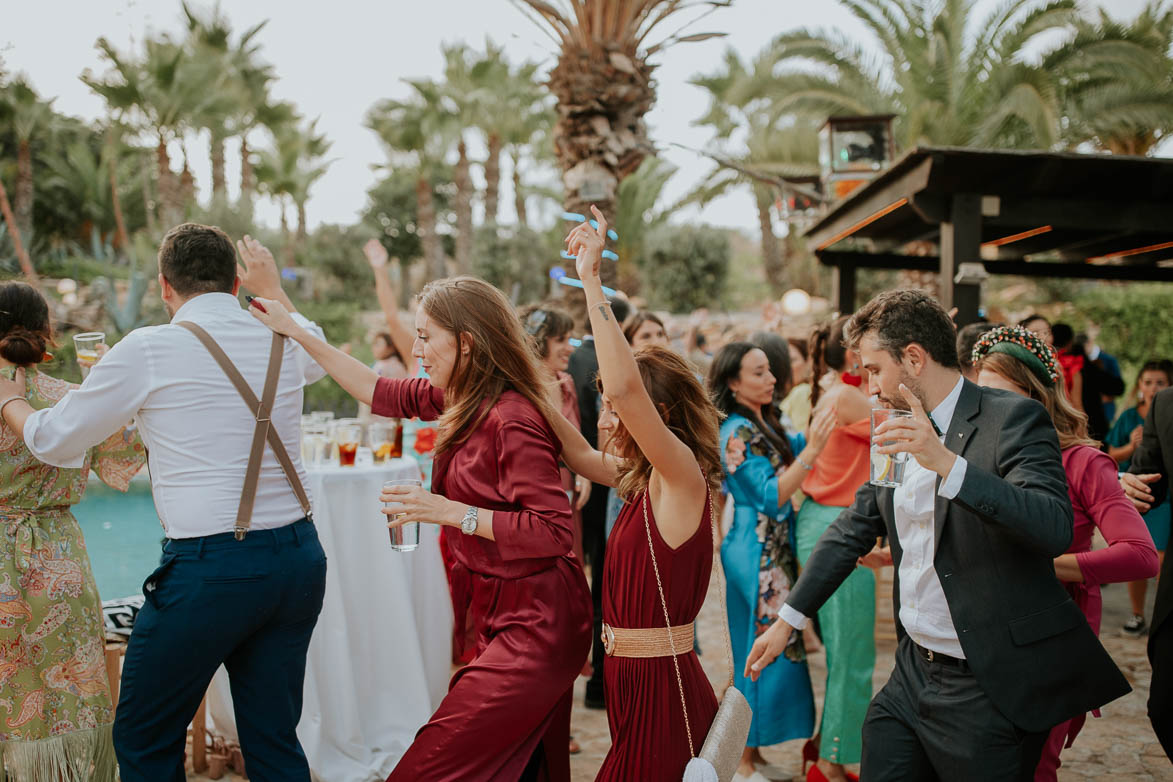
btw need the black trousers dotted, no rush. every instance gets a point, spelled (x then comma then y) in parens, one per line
(1161, 689)
(932, 721)
(594, 543)
(251, 605)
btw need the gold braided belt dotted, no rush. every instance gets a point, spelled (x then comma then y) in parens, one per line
(647, 641)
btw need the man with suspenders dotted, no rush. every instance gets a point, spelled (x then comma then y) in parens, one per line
(242, 575)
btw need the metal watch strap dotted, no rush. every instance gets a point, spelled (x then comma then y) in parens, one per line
(468, 525)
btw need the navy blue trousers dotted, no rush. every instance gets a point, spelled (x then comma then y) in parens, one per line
(250, 605)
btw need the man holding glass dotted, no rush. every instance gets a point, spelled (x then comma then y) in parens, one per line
(992, 651)
(246, 598)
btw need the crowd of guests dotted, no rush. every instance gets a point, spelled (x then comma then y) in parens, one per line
(621, 453)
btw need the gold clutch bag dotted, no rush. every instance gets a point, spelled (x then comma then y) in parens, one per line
(725, 741)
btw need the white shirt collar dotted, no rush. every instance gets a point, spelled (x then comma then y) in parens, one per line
(943, 413)
(205, 302)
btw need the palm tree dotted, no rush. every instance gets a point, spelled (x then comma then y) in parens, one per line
(209, 38)
(287, 171)
(636, 215)
(603, 85)
(415, 135)
(950, 77)
(523, 127)
(167, 89)
(1117, 81)
(30, 119)
(740, 106)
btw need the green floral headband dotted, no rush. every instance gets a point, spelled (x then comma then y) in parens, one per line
(1026, 346)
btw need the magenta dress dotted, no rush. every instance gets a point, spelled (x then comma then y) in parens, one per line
(1097, 501)
(648, 739)
(507, 711)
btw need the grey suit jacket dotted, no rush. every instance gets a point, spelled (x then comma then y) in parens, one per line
(1027, 643)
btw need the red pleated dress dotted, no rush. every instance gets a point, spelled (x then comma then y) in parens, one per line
(507, 713)
(648, 738)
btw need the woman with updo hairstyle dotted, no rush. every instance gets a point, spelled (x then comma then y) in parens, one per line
(60, 715)
(1021, 362)
(497, 492)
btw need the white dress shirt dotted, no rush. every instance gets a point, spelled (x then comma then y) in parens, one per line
(924, 611)
(197, 428)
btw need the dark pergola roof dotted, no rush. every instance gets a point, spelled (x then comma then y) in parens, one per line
(1023, 213)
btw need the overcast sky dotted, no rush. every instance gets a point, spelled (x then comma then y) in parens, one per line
(335, 59)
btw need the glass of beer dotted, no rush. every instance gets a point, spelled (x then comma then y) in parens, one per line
(886, 469)
(382, 439)
(405, 537)
(348, 435)
(86, 346)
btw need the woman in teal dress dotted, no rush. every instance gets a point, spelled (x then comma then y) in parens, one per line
(1155, 375)
(758, 552)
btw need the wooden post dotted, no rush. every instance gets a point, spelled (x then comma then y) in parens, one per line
(114, 652)
(961, 242)
(199, 738)
(843, 287)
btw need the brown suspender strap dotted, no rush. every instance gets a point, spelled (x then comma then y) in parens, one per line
(262, 410)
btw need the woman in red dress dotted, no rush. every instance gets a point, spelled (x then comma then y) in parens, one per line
(663, 427)
(495, 478)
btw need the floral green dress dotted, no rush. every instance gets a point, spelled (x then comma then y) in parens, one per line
(55, 710)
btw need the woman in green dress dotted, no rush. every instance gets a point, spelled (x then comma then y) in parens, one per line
(55, 709)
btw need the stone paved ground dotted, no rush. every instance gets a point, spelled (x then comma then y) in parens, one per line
(1119, 747)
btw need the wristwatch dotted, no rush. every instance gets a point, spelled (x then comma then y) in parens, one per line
(468, 525)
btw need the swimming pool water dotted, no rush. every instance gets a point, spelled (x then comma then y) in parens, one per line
(123, 535)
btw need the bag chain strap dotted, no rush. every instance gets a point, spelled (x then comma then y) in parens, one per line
(664, 604)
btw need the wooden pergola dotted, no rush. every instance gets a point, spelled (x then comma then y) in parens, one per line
(966, 213)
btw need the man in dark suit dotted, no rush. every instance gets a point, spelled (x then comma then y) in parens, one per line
(1147, 484)
(584, 368)
(992, 651)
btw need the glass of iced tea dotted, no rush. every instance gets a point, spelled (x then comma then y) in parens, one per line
(349, 437)
(382, 439)
(86, 346)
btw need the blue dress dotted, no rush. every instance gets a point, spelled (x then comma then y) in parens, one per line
(1158, 520)
(758, 554)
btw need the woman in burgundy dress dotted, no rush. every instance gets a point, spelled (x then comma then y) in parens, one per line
(495, 478)
(1014, 359)
(663, 428)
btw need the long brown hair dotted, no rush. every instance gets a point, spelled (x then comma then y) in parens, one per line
(827, 351)
(1070, 424)
(499, 356)
(686, 410)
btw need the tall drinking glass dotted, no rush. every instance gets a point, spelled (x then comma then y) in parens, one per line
(887, 469)
(405, 537)
(86, 347)
(348, 436)
(381, 436)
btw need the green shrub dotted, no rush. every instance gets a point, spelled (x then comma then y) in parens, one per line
(685, 267)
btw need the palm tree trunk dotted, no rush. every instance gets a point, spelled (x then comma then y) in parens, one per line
(219, 183)
(519, 194)
(169, 209)
(120, 236)
(287, 248)
(771, 254)
(600, 136)
(463, 210)
(23, 192)
(429, 242)
(22, 255)
(493, 178)
(301, 231)
(247, 178)
(149, 202)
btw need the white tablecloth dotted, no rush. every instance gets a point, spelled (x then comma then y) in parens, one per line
(380, 657)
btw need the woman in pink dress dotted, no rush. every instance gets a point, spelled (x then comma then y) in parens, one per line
(663, 428)
(1016, 360)
(495, 479)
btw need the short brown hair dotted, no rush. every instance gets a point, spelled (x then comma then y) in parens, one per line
(686, 410)
(899, 318)
(543, 322)
(197, 259)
